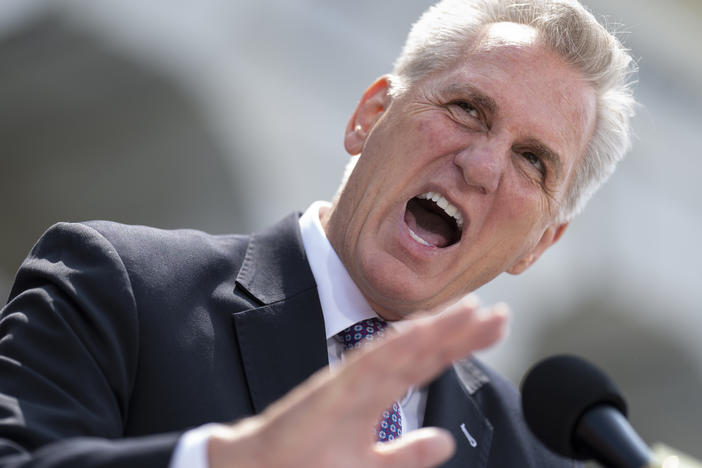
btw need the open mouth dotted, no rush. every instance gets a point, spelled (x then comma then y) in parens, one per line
(433, 221)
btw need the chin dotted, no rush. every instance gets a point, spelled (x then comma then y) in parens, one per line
(394, 290)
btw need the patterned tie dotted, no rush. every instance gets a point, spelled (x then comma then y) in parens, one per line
(390, 426)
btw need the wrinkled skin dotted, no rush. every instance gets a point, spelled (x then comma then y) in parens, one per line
(499, 135)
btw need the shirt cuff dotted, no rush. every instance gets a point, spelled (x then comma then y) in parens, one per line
(191, 450)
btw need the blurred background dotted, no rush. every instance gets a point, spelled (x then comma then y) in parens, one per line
(174, 114)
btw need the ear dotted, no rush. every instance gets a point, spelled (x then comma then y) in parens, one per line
(372, 105)
(549, 237)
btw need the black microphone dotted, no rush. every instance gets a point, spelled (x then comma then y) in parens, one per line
(574, 409)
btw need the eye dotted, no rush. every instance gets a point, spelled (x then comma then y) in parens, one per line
(468, 108)
(535, 161)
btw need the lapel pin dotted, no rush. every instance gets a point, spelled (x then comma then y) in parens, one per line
(471, 439)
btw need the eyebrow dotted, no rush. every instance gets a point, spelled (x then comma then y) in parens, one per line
(487, 103)
(477, 96)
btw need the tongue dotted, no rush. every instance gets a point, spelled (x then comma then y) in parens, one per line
(428, 224)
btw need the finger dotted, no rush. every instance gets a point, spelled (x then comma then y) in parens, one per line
(356, 393)
(376, 376)
(422, 350)
(462, 325)
(422, 448)
(469, 300)
(419, 351)
(433, 348)
(454, 334)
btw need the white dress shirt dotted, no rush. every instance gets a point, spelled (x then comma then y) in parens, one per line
(342, 306)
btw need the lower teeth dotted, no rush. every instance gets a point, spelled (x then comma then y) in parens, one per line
(417, 238)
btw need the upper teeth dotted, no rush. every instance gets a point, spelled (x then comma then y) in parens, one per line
(445, 205)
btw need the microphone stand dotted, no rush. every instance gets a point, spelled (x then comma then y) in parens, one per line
(606, 435)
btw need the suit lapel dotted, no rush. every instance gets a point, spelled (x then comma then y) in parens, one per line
(282, 342)
(450, 405)
(277, 352)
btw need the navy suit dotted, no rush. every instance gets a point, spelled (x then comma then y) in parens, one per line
(118, 338)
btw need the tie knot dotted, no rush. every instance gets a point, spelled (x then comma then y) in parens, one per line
(362, 332)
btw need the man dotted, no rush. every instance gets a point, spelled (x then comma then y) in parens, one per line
(500, 120)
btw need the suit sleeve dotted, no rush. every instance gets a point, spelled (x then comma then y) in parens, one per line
(69, 349)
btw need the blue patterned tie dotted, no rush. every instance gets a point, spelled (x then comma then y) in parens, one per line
(390, 426)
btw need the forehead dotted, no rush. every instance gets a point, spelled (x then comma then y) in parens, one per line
(537, 95)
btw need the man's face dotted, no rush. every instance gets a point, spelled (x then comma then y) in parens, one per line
(494, 141)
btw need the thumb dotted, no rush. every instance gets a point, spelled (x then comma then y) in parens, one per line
(423, 448)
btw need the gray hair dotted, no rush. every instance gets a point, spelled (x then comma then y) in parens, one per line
(442, 34)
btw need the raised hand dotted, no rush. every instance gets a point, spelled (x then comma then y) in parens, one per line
(328, 420)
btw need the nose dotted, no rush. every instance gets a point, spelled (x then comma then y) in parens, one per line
(482, 165)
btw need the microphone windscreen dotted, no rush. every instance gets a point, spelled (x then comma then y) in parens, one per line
(557, 392)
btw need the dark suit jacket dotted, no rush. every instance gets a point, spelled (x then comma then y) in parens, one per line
(118, 338)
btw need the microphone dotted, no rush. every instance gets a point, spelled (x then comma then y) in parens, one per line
(575, 409)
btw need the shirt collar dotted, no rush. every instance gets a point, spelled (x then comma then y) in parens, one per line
(342, 302)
